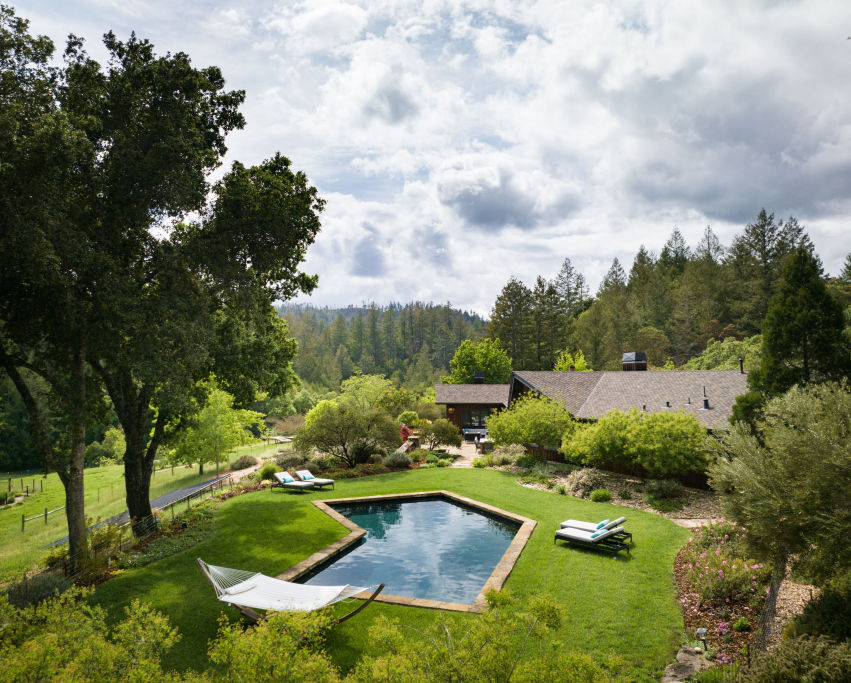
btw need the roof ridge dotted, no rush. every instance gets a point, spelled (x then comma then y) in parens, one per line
(591, 393)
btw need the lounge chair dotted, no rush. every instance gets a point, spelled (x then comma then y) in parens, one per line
(318, 482)
(286, 481)
(605, 525)
(607, 540)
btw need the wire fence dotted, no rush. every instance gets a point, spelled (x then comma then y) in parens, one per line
(25, 519)
(765, 629)
(118, 537)
(23, 485)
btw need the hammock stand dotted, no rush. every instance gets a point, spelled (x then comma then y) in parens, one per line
(248, 590)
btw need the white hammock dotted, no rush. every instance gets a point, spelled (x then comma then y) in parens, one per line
(258, 591)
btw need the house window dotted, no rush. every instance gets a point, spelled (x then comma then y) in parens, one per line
(475, 418)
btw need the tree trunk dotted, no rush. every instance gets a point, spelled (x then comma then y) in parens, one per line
(137, 475)
(71, 475)
(200, 468)
(75, 510)
(75, 504)
(133, 407)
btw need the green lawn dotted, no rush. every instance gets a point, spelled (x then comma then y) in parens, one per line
(625, 605)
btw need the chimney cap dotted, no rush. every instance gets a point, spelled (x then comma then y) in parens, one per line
(479, 377)
(634, 357)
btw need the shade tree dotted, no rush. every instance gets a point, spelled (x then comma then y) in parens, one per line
(215, 430)
(486, 356)
(567, 361)
(342, 429)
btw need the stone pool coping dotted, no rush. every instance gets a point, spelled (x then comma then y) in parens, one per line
(495, 581)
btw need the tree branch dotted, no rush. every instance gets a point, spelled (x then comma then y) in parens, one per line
(36, 419)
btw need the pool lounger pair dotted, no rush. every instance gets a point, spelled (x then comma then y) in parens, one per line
(605, 524)
(305, 482)
(609, 540)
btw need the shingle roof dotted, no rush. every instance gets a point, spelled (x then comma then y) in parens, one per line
(488, 394)
(592, 394)
(571, 389)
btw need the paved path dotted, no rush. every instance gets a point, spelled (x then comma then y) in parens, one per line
(467, 453)
(159, 502)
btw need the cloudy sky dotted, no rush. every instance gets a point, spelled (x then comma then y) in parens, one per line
(459, 143)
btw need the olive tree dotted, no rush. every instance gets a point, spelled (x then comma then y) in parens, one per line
(343, 429)
(790, 486)
(440, 433)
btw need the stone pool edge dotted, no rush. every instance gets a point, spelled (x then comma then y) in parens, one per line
(495, 581)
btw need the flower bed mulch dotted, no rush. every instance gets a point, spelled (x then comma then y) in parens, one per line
(715, 616)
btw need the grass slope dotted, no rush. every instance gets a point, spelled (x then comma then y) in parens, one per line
(625, 605)
(105, 497)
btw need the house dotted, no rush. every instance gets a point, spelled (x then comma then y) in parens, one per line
(708, 395)
(469, 405)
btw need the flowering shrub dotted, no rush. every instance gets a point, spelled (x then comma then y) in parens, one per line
(717, 570)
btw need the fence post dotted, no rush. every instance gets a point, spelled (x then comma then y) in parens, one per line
(45, 515)
(23, 521)
(27, 493)
(41, 485)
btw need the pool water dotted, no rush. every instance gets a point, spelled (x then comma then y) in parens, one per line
(431, 549)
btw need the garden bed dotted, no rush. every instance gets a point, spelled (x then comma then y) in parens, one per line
(720, 590)
(697, 504)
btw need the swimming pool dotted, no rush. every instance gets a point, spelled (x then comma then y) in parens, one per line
(428, 548)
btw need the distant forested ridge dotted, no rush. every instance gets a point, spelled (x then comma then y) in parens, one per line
(677, 306)
(411, 343)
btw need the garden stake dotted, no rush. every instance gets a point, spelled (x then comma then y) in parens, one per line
(45, 515)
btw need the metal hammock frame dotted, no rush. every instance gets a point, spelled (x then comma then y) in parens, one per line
(237, 587)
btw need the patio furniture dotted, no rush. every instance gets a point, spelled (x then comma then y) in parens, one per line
(318, 482)
(592, 527)
(286, 481)
(608, 540)
(248, 591)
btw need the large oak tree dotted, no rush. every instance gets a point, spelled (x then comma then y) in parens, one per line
(120, 256)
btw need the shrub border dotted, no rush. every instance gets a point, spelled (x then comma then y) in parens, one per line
(495, 581)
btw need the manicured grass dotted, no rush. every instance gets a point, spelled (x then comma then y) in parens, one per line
(625, 605)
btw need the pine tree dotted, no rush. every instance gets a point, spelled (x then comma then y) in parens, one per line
(710, 249)
(845, 275)
(675, 254)
(756, 258)
(650, 290)
(614, 279)
(510, 321)
(339, 331)
(571, 287)
(802, 338)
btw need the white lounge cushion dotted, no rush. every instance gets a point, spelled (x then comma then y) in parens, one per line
(306, 475)
(590, 526)
(292, 484)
